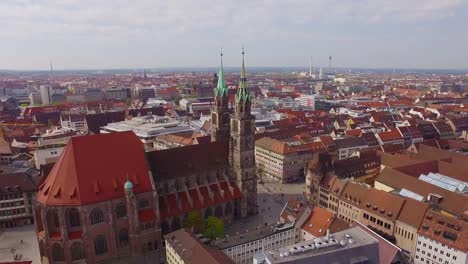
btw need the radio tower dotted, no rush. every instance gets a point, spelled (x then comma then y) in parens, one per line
(330, 64)
(311, 69)
(51, 77)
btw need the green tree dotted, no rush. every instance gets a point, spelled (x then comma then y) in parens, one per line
(194, 219)
(214, 228)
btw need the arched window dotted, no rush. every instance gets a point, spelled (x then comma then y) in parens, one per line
(155, 245)
(42, 248)
(100, 245)
(77, 251)
(96, 216)
(175, 224)
(228, 209)
(57, 252)
(121, 210)
(219, 211)
(74, 217)
(123, 238)
(165, 229)
(52, 220)
(143, 203)
(150, 246)
(208, 212)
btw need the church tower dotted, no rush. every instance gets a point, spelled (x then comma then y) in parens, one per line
(242, 148)
(220, 113)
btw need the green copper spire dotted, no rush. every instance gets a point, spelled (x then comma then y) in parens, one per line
(242, 92)
(221, 88)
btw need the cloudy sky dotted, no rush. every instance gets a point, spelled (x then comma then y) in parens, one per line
(84, 34)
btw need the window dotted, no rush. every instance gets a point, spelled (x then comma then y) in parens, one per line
(121, 210)
(57, 252)
(77, 251)
(74, 217)
(100, 245)
(96, 216)
(123, 238)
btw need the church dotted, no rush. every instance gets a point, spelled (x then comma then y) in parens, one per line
(107, 200)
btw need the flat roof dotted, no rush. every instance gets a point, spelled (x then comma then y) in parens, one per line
(353, 243)
(251, 235)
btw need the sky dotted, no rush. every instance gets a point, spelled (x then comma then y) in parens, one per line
(103, 34)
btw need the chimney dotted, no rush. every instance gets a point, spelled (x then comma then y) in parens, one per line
(434, 198)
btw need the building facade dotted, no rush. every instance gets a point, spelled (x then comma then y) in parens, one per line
(87, 215)
(17, 196)
(241, 248)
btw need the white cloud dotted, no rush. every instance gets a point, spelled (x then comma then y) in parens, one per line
(103, 33)
(126, 17)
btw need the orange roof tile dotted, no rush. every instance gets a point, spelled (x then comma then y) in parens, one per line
(94, 168)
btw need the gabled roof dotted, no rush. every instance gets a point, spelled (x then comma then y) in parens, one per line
(184, 161)
(451, 202)
(390, 135)
(413, 212)
(350, 142)
(385, 204)
(318, 222)
(94, 168)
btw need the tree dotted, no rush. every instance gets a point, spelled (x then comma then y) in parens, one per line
(194, 219)
(214, 228)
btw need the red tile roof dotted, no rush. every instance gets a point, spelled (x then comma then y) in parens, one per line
(75, 235)
(318, 222)
(197, 204)
(173, 205)
(225, 190)
(218, 199)
(450, 231)
(94, 168)
(146, 215)
(184, 202)
(390, 135)
(207, 201)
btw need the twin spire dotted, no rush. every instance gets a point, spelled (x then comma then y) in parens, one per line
(221, 89)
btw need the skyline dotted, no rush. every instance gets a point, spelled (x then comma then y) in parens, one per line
(378, 34)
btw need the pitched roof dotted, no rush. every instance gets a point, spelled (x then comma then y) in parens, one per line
(16, 181)
(390, 135)
(450, 231)
(370, 139)
(95, 121)
(318, 222)
(281, 147)
(373, 200)
(350, 142)
(94, 168)
(183, 161)
(387, 251)
(192, 250)
(451, 202)
(413, 212)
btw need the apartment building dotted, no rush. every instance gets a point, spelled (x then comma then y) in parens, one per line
(242, 247)
(374, 208)
(182, 247)
(407, 224)
(283, 161)
(17, 194)
(348, 147)
(441, 240)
